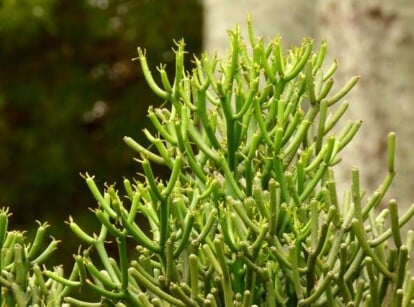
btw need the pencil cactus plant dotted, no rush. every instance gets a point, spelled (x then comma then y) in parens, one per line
(23, 280)
(250, 213)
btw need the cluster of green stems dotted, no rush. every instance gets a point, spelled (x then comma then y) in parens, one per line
(250, 214)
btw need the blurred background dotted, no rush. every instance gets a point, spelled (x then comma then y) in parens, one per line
(69, 91)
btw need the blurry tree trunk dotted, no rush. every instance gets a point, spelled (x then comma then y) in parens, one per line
(373, 39)
(292, 19)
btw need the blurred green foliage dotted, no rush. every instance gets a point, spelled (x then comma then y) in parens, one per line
(69, 93)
